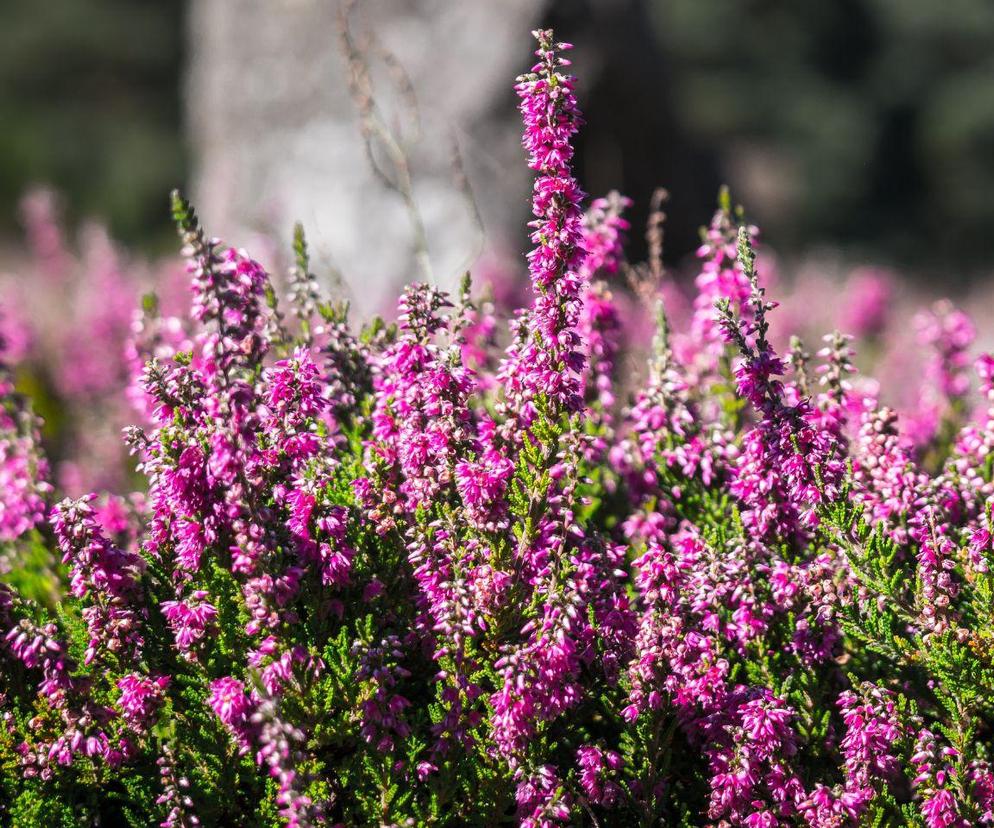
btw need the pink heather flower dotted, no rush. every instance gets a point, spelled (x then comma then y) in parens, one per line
(36, 647)
(936, 556)
(600, 329)
(344, 366)
(424, 770)
(152, 337)
(873, 729)
(92, 292)
(888, 482)
(294, 387)
(421, 418)
(278, 753)
(174, 796)
(812, 592)
(775, 478)
(722, 277)
(869, 293)
(973, 446)
(281, 668)
(295, 404)
(750, 761)
(15, 335)
(104, 574)
(982, 780)
(746, 733)
(116, 515)
(478, 341)
(546, 359)
(604, 229)
(325, 546)
(542, 800)
(940, 810)
(24, 484)
(190, 621)
(382, 707)
(596, 768)
(540, 678)
(40, 213)
(141, 696)
(104, 308)
(80, 727)
(939, 806)
(228, 293)
(835, 399)
(482, 482)
(662, 431)
(233, 707)
(948, 333)
(334, 553)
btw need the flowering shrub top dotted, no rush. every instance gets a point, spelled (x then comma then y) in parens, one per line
(404, 578)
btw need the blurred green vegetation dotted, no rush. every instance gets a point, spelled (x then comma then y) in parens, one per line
(872, 121)
(90, 104)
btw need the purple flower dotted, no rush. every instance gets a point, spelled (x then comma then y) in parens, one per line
(280, 754)
(141, 696)
(190, 620)
(24, 485)
(722, 277)
(547, 360)
(542, 801)
(888, 481)
(869, 292)
(939, 806)
(597, 766)
(232, 705)
(421, 419)
(105, 575)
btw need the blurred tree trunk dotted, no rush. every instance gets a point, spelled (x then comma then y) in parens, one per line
(275, 131)
(634, 139)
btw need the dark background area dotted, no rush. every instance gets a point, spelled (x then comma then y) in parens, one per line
(866, 125)
(90, 103)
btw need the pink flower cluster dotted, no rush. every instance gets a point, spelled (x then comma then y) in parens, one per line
(546, 359)
(462, 570)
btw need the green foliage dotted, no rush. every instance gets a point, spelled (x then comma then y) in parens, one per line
(91, 104)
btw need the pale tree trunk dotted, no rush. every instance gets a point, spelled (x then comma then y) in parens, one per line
(275, 131)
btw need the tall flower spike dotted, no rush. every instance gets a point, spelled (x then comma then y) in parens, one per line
(792, 459)
(305, 295)
(759, 363)
(228, 290)
(723, 276)
(103, 574)
(600, 321)
(199, 250)
(548, 359)
(948, 333)
(604, 229)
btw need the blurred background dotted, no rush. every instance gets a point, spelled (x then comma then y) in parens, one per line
(861, 126)
(91, 104)
(859, 134)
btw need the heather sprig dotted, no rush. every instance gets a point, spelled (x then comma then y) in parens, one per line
(547, 360)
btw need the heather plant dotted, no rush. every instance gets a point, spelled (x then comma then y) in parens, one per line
(77, 337)
(464, 570)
